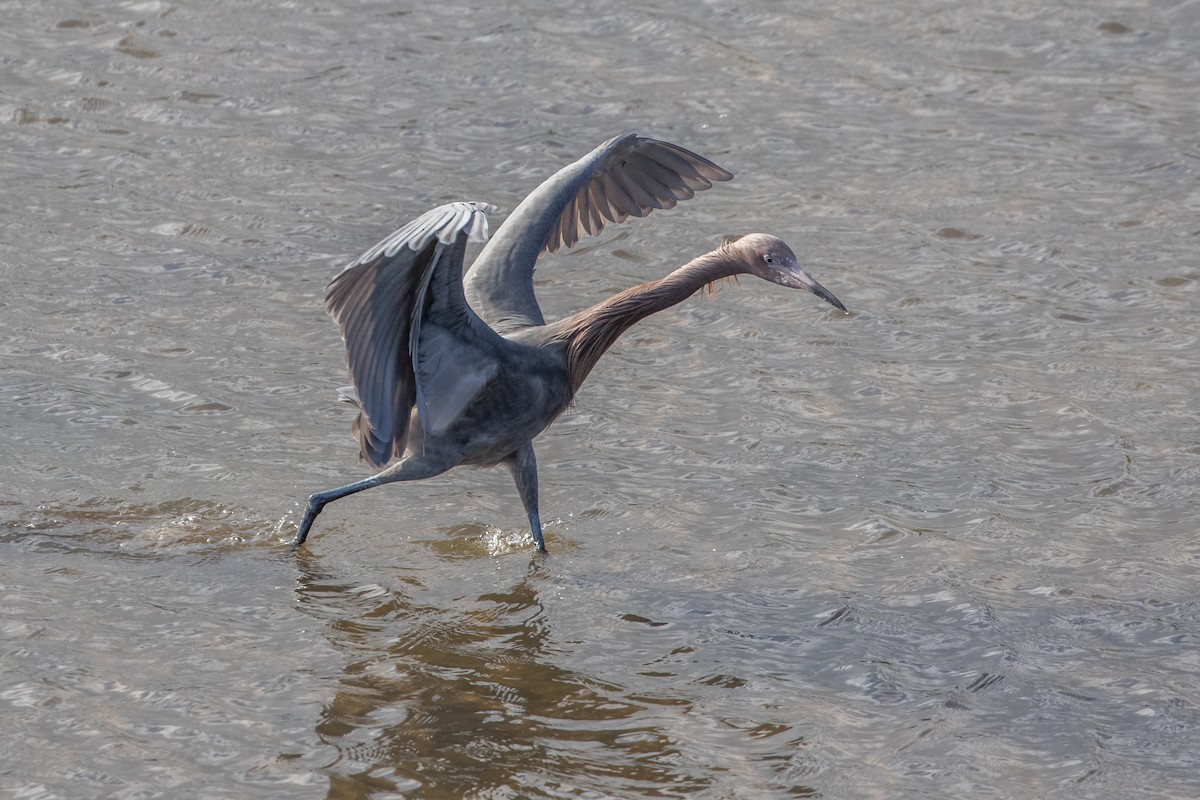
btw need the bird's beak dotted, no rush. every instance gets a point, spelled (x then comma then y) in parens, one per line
(799, 279)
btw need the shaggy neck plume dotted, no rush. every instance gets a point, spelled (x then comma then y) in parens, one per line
(589, 333)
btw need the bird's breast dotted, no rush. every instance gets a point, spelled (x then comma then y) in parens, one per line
(514, 407)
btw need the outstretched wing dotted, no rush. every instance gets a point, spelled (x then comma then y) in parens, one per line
(384, 300)
(627, 176)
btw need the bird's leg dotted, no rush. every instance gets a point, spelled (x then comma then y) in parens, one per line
(413, 468)
(523, 466)
(318, 500)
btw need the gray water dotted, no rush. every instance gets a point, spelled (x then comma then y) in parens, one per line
(943, 547)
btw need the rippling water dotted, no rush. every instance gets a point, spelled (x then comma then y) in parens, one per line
(942, 547)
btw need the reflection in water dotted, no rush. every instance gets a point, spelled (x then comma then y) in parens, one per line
(464, 700)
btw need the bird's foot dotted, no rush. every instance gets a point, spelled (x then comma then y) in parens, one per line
(310, 513)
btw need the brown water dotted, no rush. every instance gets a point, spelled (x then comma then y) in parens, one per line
(943, 547)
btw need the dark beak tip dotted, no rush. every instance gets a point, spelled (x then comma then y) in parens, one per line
(826, 295)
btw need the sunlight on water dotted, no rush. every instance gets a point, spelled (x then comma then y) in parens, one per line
(500, 542)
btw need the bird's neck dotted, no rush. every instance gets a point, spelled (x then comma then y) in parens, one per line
(589, 333)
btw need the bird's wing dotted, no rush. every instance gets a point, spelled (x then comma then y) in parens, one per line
(627, 176)
(411, 340)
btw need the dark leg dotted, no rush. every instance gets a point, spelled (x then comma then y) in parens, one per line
(523, 466)
(410, 469)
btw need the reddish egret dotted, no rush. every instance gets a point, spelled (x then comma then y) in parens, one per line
(451, 369)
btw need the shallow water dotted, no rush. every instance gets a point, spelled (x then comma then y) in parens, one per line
(942, 547)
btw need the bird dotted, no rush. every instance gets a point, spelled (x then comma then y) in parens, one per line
(463, 370)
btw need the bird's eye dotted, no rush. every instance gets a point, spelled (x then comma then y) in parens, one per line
(769, 259)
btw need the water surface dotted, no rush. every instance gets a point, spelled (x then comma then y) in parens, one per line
(941, 547)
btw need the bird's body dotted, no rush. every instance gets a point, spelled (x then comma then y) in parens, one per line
(456, 370)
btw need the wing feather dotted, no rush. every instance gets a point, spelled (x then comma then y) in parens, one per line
(665, 174)
(619, 200)
(645, 201)
(627, 176)
(660, 181)
(379, 302)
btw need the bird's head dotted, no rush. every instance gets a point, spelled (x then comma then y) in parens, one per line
(771, 259)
